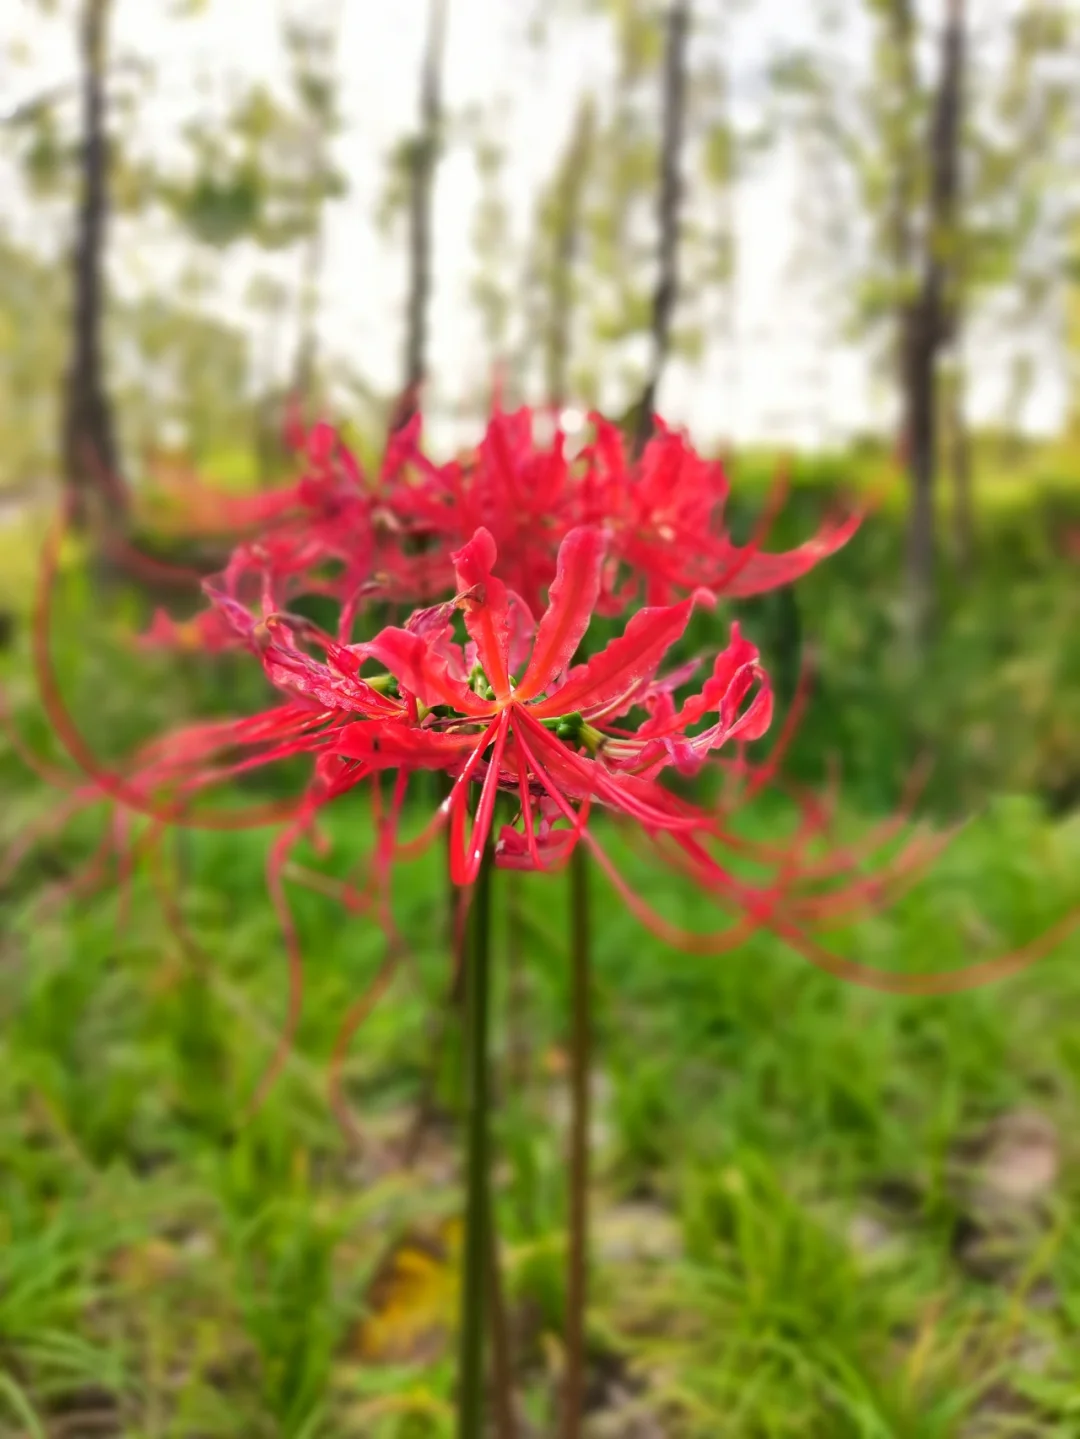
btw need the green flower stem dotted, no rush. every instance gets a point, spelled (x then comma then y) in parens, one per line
(477, 1239)
(578, 1237)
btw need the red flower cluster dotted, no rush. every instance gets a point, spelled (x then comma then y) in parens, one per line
(340, 533)
(519, 544)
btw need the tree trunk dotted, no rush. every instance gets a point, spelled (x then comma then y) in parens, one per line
(929, 322)
(423, 162)
(920, 432)
(960, 460)
(668, 213)
(90, 460)
(1072, 334)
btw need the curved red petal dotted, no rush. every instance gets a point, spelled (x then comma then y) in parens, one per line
(623, 665)
(571, 602)
(388, 745)
(421, 670)
(487, 611)
(771, 571)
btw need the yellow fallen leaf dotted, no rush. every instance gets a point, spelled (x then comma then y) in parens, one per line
(413, 1299)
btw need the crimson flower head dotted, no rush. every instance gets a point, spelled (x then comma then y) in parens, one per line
(333, 532)
(665, 513)
(523, 490)
(501, 708)
(340, 533)
(662, 512)
(510, 711)
(495, 685)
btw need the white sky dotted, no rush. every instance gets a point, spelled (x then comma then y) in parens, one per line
(795, 380)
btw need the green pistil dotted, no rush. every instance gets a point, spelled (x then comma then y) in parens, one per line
(387, 685)
(478, 683)
(384, 684)
(572, 729)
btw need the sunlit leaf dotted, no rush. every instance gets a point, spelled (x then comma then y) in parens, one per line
(413, 1299)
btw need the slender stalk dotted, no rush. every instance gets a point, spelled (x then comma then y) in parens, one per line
(578, 1238)
(502, 1377)
(517, 1023)
(476, 1268)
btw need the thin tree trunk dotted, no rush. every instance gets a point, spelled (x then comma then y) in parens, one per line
(305, 375)
(929, 321)
(960, 458)
(901, 43)
(424, 160)
(920, 431)
(668, 212)
(89, 446)
(1072, 336)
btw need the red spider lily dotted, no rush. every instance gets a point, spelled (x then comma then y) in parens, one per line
(526, 494)
(554, 729)
(336, 533)
(663, 512)
(506, 711)
(549, 735)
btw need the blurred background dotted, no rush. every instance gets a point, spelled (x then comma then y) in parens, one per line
(841, 236)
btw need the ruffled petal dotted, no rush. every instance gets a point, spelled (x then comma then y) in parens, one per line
(571, 603)
(623, 666)
(487, 614)
(422, 670)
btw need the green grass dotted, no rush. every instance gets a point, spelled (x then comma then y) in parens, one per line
(173, 1271)
(797, 1227)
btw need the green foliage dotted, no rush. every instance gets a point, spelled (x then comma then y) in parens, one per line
(993, 702)
(776, 1152)
(178, 373)
(32, 349)
(751, 1111)
(865, 138)
(265, 173)
(220, 210)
